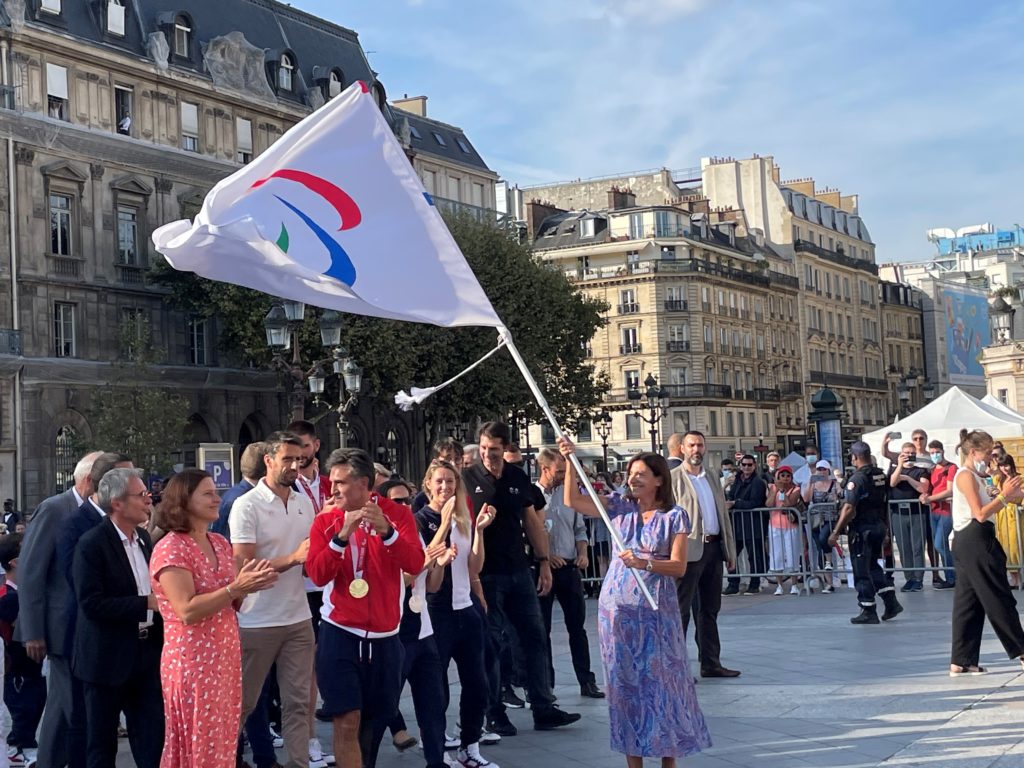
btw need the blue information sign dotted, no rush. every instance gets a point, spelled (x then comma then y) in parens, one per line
(221, 473)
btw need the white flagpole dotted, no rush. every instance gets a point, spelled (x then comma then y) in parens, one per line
(504, 334)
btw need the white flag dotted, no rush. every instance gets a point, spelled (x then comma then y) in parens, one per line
(333, 215)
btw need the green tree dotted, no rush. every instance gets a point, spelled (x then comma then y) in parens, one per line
(550, 321)
(133, 414)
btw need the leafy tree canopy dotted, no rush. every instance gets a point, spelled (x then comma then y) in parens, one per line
(550, 321)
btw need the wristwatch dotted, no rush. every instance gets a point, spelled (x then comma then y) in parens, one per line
(649, 566)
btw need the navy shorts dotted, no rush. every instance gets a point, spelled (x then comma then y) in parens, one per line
(356, 673)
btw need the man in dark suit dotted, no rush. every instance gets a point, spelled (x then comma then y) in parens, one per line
(11, 516)
(252, 468)
(42, 625)
(119, 634)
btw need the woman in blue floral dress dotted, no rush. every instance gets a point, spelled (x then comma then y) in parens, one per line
(652, 704)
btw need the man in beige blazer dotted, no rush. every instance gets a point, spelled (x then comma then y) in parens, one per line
(710, 548)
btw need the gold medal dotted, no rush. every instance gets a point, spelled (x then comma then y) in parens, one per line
(359, 588)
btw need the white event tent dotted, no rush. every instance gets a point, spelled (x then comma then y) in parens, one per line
(944, 417)
(999, 406)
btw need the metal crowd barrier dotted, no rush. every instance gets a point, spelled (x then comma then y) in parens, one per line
(803, 552)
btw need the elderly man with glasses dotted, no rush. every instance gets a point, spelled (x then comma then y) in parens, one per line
(746, 494)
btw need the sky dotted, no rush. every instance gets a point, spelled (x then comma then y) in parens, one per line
(916, 106)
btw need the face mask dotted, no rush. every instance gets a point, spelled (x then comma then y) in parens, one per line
(812, 459)
(726, 473)
(981, 465)
(936, 457)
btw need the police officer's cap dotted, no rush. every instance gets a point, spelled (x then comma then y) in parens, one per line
(861, 450)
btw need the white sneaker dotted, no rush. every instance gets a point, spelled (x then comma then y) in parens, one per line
(778, 590)
(277, 739)
(828, 589)
(488, 737)
(453, 742)
(794, 590)
(470, 757)
(316, 754)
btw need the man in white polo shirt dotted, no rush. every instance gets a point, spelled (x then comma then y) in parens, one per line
(272, 522)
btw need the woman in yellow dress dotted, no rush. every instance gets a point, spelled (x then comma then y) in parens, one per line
(1008, 528)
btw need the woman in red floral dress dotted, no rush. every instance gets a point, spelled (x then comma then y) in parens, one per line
(198, 590)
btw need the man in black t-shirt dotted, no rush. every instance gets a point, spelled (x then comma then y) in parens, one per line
(908, 516)
(507, 580)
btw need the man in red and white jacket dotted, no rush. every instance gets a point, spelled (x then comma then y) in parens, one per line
(358, 551)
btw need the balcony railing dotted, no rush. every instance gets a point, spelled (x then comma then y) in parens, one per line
(791, 388)
(766, 394)
(805, 246)
(677, 346)
(676, 305)
(630, 349)
(847, 380)
(131, 274)
(10, 342)
(694, 391)
(66, 266)
(629, 308)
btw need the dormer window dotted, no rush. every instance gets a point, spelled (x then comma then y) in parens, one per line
(285, 73)
(115, 17)
(182, 36)
(50, 6)
(462, 144)
(334, 84)
(439, 139)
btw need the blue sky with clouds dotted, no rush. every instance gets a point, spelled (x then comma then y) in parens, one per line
(917, 105)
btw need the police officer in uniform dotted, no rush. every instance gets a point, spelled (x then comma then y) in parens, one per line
(864, 513)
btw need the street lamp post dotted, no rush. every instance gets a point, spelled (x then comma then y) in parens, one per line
(282, 324)
(603, 426)
(657, 400)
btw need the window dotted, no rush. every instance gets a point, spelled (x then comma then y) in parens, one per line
(663, 224)
(679, 376)
(709, 375)
(60, 225)
(134, 331)
(243, 134)
(115, 17)
(631, 379)
(1002, 395)
(681, 421)
(729, 430)
(128, 235)
(439, 139)
(64, 329)
(50, 6)
(182, 36)
(477, 198)
(285, 73)
(679, 333)
(334, 85)
(463, 145)
(713, 423)
(414, 132)
(633, 428)
(627, 301)
(586, 228)
(709, 337)
(751, 423)
(630, 345)
(636, 226)
(197, 341)
(430, 181)
(123, 109)
(454, 184)
(583, 432)
(57, 91)
(189, 126)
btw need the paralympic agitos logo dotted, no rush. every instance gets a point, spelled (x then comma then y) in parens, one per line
(341, 267)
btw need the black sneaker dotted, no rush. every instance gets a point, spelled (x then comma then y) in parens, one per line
(553, 718)
(943, 585)
(511, 700)
(732, 589)
(501, 725)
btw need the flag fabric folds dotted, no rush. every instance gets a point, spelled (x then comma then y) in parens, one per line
(333, 215)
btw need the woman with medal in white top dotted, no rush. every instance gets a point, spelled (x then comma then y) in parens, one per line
(421, 667)
(456, 609)
(981, 586)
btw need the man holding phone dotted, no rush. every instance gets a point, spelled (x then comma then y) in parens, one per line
(907, 483)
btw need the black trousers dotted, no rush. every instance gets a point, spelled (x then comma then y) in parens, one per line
(982, 590)
(422, 669)
(567, 588)
(141, 699)
(865, 540)
(512, 599)
(462, 636)
(25, 697)
(703, 580)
